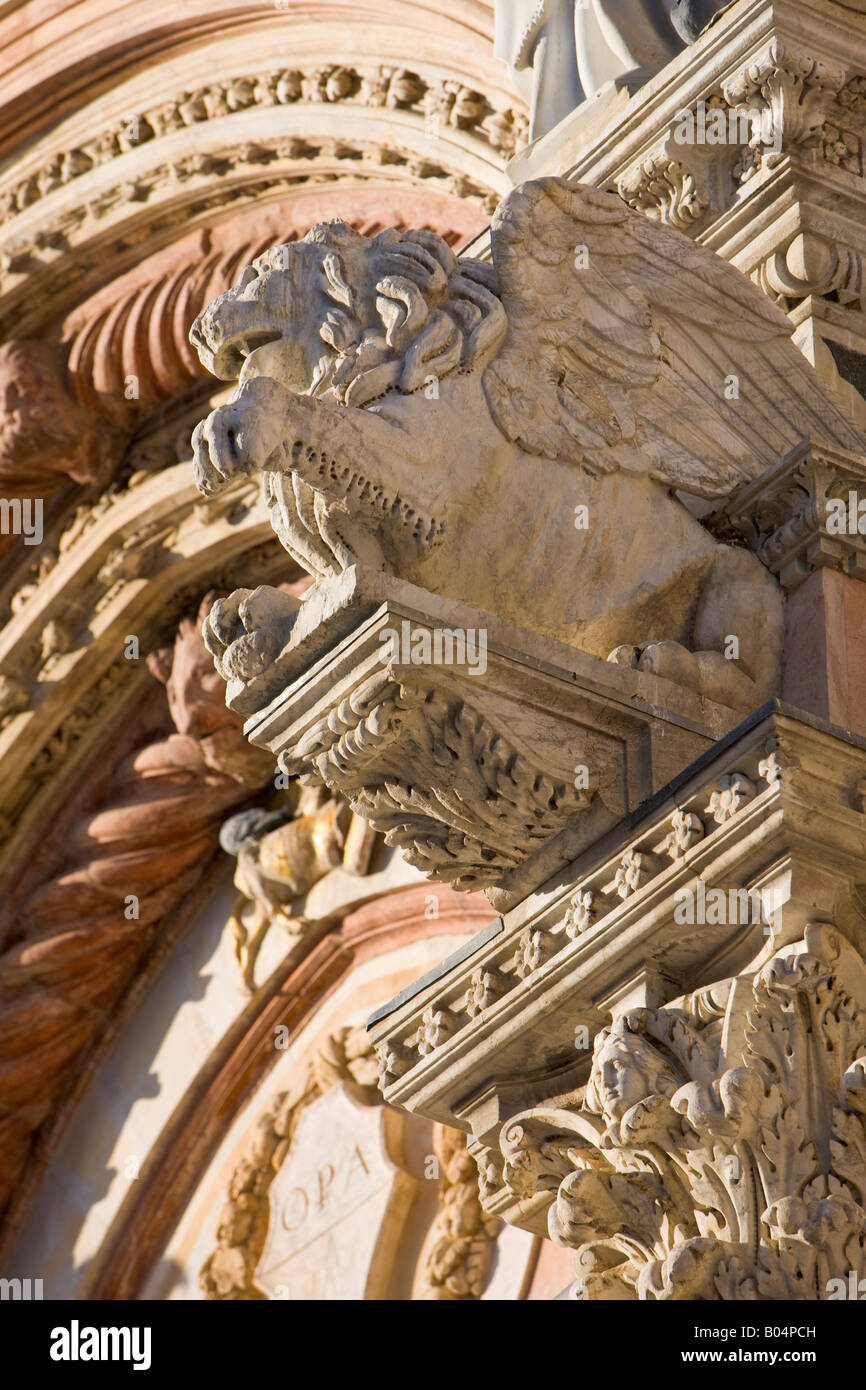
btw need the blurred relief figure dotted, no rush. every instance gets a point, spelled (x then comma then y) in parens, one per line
(280, 855)
(561, 52)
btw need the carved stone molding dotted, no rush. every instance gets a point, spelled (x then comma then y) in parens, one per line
(443, 104)
(73, 936)
(675, 1092)
(718, 1150)
(660, 859)
(804, 514)
(228, 1275)
(158, 172)
(811, 266)
(436, 755)
(193, 191)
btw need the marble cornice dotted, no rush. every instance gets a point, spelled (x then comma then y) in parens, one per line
(776, 807)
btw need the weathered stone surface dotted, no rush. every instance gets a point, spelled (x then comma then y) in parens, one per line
(75, 940)
(418, 414)
(714, 951)
(338, 1197)
(752, 142)
(489, 767)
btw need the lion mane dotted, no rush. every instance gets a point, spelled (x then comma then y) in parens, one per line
(433, 314)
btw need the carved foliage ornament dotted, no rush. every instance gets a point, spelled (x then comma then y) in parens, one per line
(783, 101)
(719, 1149)
(385, 748)
(594, 899)
(443, 103)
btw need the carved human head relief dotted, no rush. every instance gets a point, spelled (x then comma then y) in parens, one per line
(626, 1070)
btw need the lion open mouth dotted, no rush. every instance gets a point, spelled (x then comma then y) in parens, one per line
(231, 356)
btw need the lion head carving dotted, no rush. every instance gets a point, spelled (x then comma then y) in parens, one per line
(353, 317)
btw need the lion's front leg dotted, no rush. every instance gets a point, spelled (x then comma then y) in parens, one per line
(710, 673)
(242, 437)
(737, 635)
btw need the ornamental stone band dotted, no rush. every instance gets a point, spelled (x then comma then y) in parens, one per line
(433, 645)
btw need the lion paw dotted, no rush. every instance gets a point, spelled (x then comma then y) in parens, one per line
(246, 631)
(709, 673)
(238, 438)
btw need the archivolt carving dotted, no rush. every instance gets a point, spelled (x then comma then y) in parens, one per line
(195, 188)
(151, 197)
(46, 435)
(74, 942)
(443, 103)
(458, 1265)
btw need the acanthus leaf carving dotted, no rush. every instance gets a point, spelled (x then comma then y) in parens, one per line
(692, 1169)
(666, 190)
(492, 811)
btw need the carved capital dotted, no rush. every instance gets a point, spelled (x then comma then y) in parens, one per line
(806, 513)
(677, 1092)
(707, 1165)
(789, 91)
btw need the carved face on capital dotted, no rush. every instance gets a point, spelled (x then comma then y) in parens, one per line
(352, 316)
(626, 1070)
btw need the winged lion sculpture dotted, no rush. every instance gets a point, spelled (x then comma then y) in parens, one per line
(524, 436)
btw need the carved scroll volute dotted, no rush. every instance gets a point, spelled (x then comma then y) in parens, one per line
(690, 1170)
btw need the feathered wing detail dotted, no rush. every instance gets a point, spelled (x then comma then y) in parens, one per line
(630, 346)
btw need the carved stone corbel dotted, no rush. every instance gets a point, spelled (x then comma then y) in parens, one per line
(789, 91)
(811, 266)
(464, 769)
(666, 190)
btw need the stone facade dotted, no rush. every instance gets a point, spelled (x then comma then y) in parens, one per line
(433, 750)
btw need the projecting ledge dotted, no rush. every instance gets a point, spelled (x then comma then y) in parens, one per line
(625, 992)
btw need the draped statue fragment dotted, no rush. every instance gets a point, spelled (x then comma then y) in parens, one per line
(561, 52)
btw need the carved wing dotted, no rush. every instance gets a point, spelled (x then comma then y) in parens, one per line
(629, 346)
